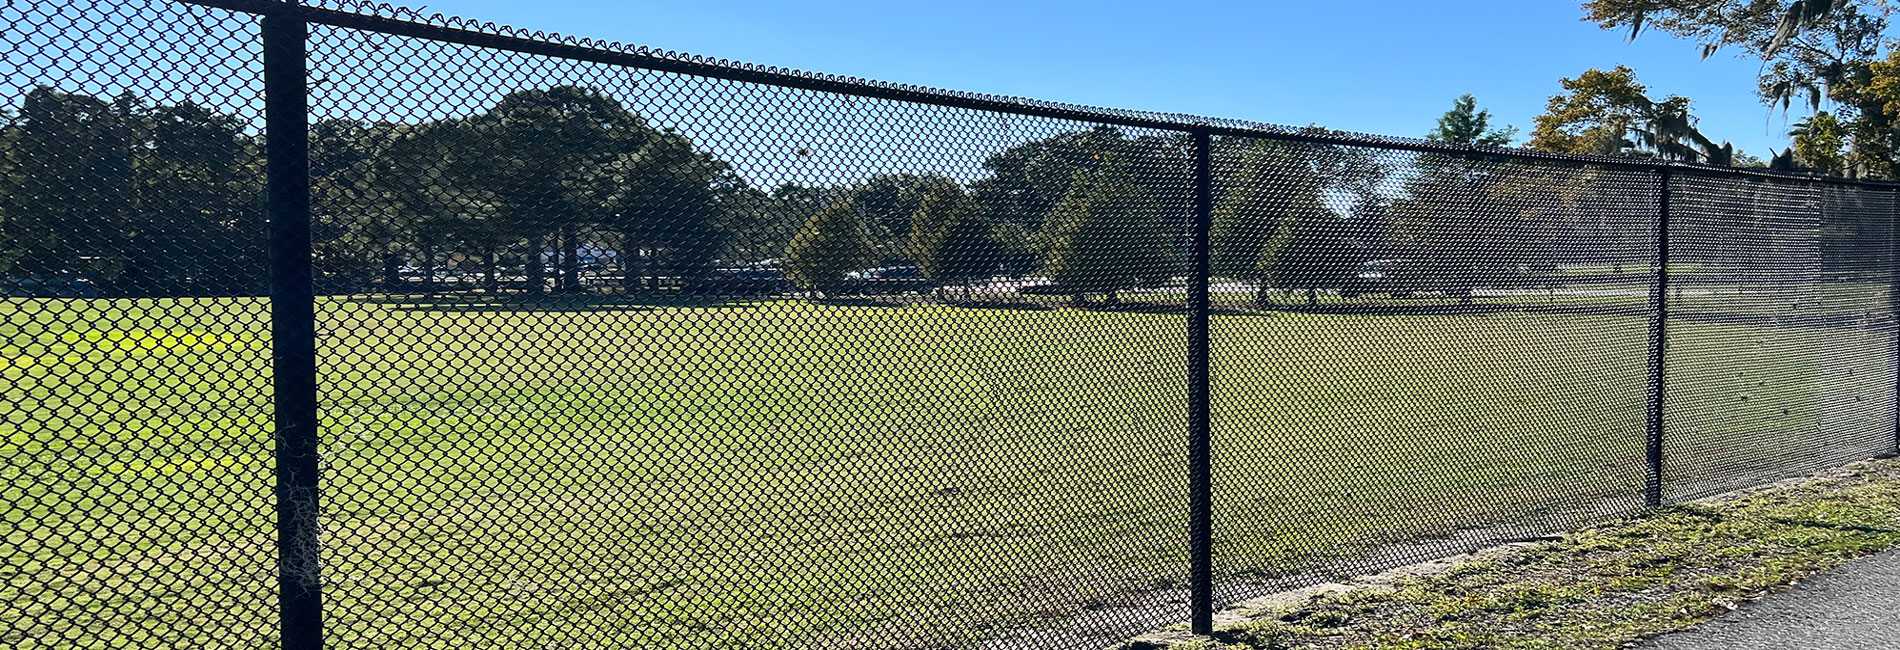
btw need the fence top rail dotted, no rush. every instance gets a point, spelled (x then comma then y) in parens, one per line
(366, 15)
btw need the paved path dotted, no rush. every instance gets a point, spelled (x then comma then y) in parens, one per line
(1854, 607)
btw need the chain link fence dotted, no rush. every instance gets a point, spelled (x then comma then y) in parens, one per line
(346, 326)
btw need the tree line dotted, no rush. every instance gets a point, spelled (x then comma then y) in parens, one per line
(148, 198)
(527, 196)
(144, 199)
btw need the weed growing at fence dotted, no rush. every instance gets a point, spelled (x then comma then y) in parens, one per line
(1608, 585)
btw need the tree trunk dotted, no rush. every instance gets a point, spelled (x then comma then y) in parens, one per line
(653, 268)
(1262, 295)
(535, 267)
(490, 284)
(1312, 297)
(428, 269)
(392, 281)
(570, 260)
(632, 271)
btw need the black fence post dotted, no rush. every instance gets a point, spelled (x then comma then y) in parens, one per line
(293, 327)
(1658, 339)
(1200, 417)
(1893, 308)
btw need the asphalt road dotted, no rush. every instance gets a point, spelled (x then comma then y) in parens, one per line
(1854, 607)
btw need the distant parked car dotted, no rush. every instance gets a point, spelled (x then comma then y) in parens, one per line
(1396, 278)
(1403, 279)
(745, 281)
(888, 280)
(1040, 287)
(47, 287)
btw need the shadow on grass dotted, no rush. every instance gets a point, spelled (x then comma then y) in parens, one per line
(639, 302)
(859, 301)
(997, 305)
(561, 303)
(1124, 307)
(1384, 308)
(1130, 307)
(1640, 310)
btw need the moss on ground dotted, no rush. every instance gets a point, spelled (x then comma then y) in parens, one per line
(1610, 585)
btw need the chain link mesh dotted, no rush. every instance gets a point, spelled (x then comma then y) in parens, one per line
(1781, 356)
(1424, 354)
(685, 354)
(659, 360)
(135, 427)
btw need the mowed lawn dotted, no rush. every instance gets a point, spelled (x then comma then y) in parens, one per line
(783, 474)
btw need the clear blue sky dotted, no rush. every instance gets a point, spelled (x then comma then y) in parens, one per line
(1379, 66)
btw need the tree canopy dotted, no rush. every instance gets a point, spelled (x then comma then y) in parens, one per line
(1820, 141)
(1106, 236)
(1812, 51)
(952, 242)
(567, 189)
(1609, 113)
(832, 244)
(142, 199)
(1466, 124)
(1275, 224)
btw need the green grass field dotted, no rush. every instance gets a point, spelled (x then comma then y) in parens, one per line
(783, 474)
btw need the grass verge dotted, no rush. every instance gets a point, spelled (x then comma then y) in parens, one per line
(1601, 587)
